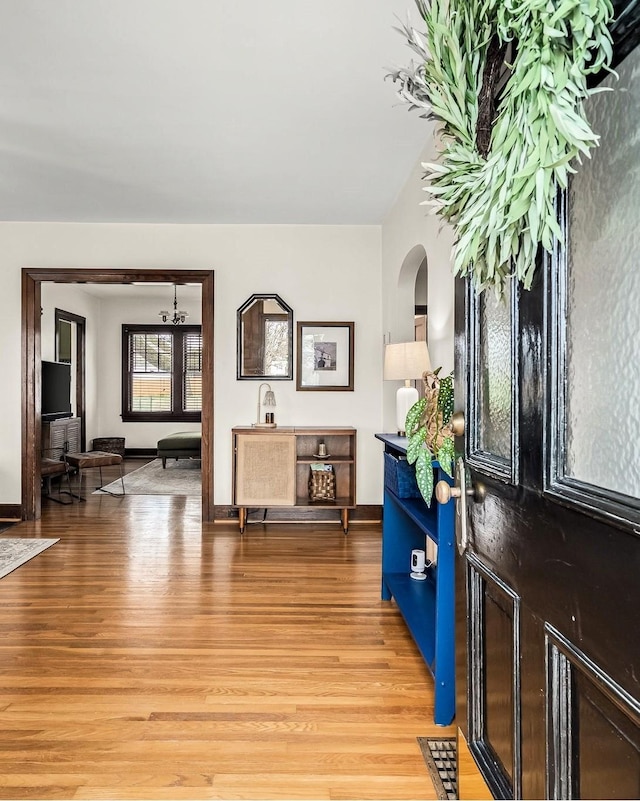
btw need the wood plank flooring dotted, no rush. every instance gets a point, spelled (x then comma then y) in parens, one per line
(149, 656)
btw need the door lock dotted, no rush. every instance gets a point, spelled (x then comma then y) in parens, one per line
(461, 492)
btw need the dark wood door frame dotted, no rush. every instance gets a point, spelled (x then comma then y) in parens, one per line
(32, 279)
(80, 323)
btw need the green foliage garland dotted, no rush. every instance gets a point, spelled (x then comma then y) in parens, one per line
(507, 145)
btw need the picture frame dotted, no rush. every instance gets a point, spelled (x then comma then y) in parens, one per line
(325, 356)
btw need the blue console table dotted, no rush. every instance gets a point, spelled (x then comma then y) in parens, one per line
(427, 606)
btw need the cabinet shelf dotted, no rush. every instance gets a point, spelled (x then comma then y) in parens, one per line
(416, 600)
(427, 607)
(325, 460)
(338, 503)
(421, 514)
(271, 468)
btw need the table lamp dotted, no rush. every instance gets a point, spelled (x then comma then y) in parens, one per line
(405, 361)
(269, 400)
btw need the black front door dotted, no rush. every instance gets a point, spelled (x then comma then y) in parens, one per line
(548, 643)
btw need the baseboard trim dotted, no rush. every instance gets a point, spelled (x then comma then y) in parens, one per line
(140, 453)
(10, 512)
(296, 514)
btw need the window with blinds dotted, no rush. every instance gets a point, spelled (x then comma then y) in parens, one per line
(161, 373)
(192, 376)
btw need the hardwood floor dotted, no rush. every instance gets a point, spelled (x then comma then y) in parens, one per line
(146, 655)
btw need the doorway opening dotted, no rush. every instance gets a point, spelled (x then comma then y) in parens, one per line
(70, 332)
(32, 279)
(420, 327)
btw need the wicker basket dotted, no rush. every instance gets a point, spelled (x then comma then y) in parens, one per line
(400, 477)
(322, 485)
(109, 445)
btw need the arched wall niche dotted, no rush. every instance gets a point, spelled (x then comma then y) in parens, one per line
(440, 294)
(400, 326)
(406, 293)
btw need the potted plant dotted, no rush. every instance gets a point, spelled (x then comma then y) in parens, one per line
(429, 433)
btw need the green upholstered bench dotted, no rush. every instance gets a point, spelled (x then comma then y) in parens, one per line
(183, 445)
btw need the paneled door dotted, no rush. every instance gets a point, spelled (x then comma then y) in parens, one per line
(548, 569)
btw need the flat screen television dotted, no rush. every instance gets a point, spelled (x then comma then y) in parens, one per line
(56, 390)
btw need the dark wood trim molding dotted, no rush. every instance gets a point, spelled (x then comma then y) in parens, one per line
(10, 513)
(32, 279)
(31, 402)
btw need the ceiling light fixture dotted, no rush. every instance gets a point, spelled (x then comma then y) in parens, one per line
(178, 316)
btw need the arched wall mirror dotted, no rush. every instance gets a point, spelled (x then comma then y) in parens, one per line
(265, 339)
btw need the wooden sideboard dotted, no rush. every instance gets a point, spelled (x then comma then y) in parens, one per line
(271, 468)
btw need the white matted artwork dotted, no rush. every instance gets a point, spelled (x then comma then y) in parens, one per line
(325, 356)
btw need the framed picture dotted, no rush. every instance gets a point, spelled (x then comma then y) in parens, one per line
(325, 356)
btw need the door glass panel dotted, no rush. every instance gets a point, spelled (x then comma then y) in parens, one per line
(63, 341)
(495, 379)
(603, 295)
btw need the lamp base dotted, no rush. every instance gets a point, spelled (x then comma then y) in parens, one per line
(405, 398)
(264, 425)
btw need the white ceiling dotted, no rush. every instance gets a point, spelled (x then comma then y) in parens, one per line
(203, 111)
(162, 293)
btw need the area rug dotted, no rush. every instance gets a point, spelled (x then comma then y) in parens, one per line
(183, 477)
(15, 552)
(440, 758)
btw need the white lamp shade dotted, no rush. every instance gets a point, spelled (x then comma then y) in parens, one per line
(405, 361)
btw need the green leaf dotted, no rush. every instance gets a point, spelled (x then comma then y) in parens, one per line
(415, 444)
(445, 455)
(445, 398)
(412, 420)
(424, 475)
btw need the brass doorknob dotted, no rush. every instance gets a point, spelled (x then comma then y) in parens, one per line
(444, 492)
(457, 423)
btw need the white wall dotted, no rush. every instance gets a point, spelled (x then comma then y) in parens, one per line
(409, 231)
(327, 273)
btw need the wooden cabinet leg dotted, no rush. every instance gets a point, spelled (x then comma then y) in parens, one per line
(344, 516)
(242, 518)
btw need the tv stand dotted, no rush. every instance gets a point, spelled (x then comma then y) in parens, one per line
(61, 436)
